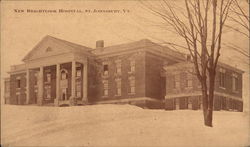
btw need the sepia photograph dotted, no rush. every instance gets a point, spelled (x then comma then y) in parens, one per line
(137, 73)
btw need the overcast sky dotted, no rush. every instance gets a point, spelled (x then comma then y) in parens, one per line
(20, 32)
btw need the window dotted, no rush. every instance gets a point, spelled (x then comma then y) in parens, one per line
(105, 69)
(18, 83)
(35, 78)
(48, 77)
(177, 104)
(222, 77)
(105, 88)
(132, 85)
(78, 70)
(176, 81)
(78, 73)
(235, 81)
(132, 65)
(63, 75)
(118, 87)
(118, 66)
(189, 80)
(189, 101)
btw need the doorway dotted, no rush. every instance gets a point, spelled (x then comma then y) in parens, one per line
(64, 85)
(64, 94)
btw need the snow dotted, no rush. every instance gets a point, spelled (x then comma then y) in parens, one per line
(119, 125)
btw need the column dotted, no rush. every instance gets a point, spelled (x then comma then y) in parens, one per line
(85, 82)
(58, 81)
(40, 87)
(27, 86)
(58, 76)
(73, 80)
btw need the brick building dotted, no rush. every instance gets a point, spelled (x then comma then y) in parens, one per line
(183, 89)
(58, 72)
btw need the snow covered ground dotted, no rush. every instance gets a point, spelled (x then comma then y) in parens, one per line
(119, 125)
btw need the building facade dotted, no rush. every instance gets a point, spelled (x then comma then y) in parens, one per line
(183, 89)
(58, 72)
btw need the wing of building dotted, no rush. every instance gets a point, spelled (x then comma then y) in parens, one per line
(58, 72)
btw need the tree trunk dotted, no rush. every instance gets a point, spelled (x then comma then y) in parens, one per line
(209, 100)
(207, 113)
(209, 118)
(204, 101)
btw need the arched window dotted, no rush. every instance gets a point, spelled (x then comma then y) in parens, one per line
(63, 75)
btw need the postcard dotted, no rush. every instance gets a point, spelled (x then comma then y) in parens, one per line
(125, 73)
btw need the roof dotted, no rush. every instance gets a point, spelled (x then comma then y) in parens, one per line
(73, 47)
(141, 44)
(126, 46)
(186, 64)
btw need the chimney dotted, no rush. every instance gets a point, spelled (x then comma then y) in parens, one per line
(99, 44)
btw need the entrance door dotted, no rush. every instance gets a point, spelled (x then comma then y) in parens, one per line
(64, 94)
(64, 85)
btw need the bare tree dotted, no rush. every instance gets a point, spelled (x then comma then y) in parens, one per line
(240, 17)
(200, 23)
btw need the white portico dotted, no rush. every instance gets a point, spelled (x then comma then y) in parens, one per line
(56, 72)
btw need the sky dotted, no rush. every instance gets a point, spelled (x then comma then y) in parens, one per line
(20, 32)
